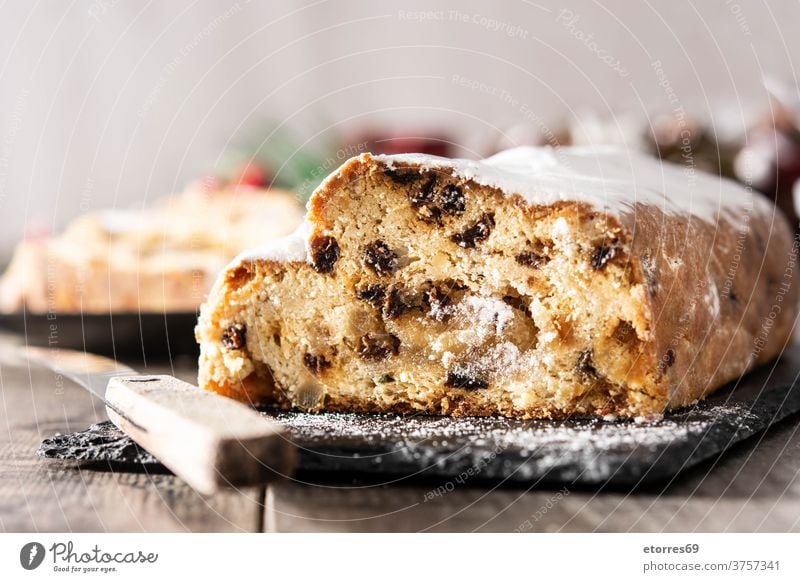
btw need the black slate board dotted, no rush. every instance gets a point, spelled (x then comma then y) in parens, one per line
(577, 452)
(135, 336)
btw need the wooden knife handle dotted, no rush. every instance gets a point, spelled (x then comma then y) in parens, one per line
(208, 440)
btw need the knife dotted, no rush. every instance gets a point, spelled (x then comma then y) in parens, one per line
(208, 440)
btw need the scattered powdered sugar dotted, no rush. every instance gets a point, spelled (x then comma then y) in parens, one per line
(495, 362)
(577, 451)
(478, 324)
(482, 431)
(584, 449)
(504, 356)
(484, 317)
(711, 297)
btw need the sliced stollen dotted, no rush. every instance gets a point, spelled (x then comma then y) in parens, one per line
(536, 283)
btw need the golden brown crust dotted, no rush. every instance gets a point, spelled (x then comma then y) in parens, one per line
(712, 288)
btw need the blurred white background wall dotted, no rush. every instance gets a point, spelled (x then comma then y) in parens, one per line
(114, 103)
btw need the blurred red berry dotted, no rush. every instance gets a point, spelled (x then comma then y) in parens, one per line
(250, 174)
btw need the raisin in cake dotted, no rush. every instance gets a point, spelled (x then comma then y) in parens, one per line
(536, 283)
(161, 258)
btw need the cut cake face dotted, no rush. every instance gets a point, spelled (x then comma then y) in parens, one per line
(537, 283)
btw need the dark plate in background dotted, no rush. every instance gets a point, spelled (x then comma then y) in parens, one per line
(576, 452)
(135, 336)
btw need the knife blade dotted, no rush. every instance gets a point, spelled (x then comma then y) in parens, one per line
(88, 370)
(208, 440)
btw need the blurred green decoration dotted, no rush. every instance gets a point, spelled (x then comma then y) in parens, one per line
(273, 156)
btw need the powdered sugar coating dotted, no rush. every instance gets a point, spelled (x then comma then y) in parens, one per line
(609, 178)
(292, 248)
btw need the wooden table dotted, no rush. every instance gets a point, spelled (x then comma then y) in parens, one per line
(755, 486)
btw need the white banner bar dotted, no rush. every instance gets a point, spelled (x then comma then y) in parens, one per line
(402, 557)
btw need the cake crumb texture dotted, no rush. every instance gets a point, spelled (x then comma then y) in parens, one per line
(537, 284)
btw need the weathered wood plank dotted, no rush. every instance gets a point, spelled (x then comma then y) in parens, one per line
(37, 495)
(754, 487)
(295, 509)
(42, 496)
